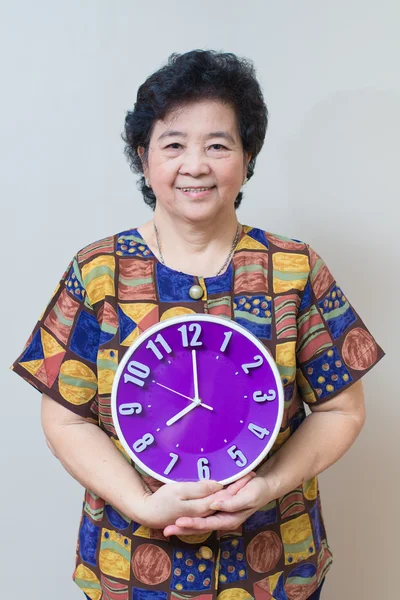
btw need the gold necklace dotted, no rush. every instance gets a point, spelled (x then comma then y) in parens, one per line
(228, 258)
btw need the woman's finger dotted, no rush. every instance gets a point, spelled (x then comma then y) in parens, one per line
(198, 489)
(236, 486)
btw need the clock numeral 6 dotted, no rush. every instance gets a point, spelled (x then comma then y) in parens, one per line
(203, 469)
(237, 456)
(142, 443)
(258, 361)
(131, 408)
(172, 463)
(259, 396)
(139, 371)
(196, 329)
(260, 432)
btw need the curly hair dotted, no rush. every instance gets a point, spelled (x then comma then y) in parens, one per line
(197, 75)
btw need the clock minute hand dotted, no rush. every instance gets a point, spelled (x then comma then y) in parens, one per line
(183, 395)
(195, 376)
(182, 413)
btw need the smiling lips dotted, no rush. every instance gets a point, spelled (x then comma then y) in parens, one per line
(195, 190)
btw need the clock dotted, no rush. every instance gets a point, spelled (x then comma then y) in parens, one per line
(197, 397)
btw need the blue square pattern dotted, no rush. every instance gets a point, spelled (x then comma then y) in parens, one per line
(233, 565)
(190, 572)
(337, 312)
(255, 314)
(327, 373)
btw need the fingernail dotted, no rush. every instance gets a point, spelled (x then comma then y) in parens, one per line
(216, 505)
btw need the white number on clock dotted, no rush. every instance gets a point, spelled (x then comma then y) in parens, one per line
(196, 329)
(174, 458)
(260, 432)
(203, 469)
(142, 443)
(237, 456)
(139, 371)
(130, 408)
(159, 340)
(258, 361)
(259, 396)
(228, 335)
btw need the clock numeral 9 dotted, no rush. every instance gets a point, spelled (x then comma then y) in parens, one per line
(259, 396)
(258, 361)
(159, 340)
(131, 408)
(172, 463)
(142, 443)
(237, 456)
(196, 329)
(203, 469)
(260, 432)
(139, 371)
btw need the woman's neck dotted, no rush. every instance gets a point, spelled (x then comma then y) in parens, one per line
(196, 248)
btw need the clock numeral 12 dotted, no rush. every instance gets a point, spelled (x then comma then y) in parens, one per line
(237, 456)
(203, 469)
(259, 396)
(142, 443)
(260, 432)
(174, 458)
(258, 361)
(139, 371)
(196, 329)
(131, 408)
(159, 340)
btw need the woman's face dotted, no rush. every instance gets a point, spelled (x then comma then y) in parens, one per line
(197, 145)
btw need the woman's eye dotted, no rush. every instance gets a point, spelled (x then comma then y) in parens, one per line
(220, 146)
(173, 144)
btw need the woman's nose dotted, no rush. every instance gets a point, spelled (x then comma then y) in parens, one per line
(194, 164)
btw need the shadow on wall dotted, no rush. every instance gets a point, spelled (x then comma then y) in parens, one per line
(344, 189)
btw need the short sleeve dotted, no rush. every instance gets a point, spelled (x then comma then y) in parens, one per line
(60, 357)
(334, 347)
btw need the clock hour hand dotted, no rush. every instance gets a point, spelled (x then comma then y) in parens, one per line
(182, 413)
(183, 395)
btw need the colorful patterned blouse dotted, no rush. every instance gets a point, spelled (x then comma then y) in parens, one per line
(281, 291)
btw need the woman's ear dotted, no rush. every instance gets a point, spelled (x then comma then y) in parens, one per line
(141, 152)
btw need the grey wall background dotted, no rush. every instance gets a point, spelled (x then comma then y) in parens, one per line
(328, 174)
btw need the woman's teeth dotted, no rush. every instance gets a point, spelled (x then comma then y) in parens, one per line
(195, 189)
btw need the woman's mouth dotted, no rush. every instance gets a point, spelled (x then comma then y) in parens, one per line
(196, 192)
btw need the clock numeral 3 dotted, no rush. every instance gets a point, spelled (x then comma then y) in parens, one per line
(139, 371)
(131, 408)
(259, 396)
(196, 329)
(203, 469)
(237, 456)
(260, 432)
(159, 340)
(174, 460)
(142, 443)
(258, 361)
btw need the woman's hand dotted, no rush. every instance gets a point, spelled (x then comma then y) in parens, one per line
(234, 504)
(190, 499)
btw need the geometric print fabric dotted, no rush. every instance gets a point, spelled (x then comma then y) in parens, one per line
(282, 292)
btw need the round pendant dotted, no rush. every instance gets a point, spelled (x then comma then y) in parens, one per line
(196, 292)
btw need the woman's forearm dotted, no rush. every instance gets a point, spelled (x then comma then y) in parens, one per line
(319, 442)
(88, 454)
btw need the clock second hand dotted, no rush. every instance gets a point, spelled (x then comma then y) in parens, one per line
(183, 396)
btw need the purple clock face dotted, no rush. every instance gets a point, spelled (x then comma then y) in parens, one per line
(197, 397)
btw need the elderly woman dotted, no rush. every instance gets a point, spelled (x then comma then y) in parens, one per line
(194, 134)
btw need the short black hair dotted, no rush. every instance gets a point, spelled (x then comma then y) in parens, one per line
(197, 75)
